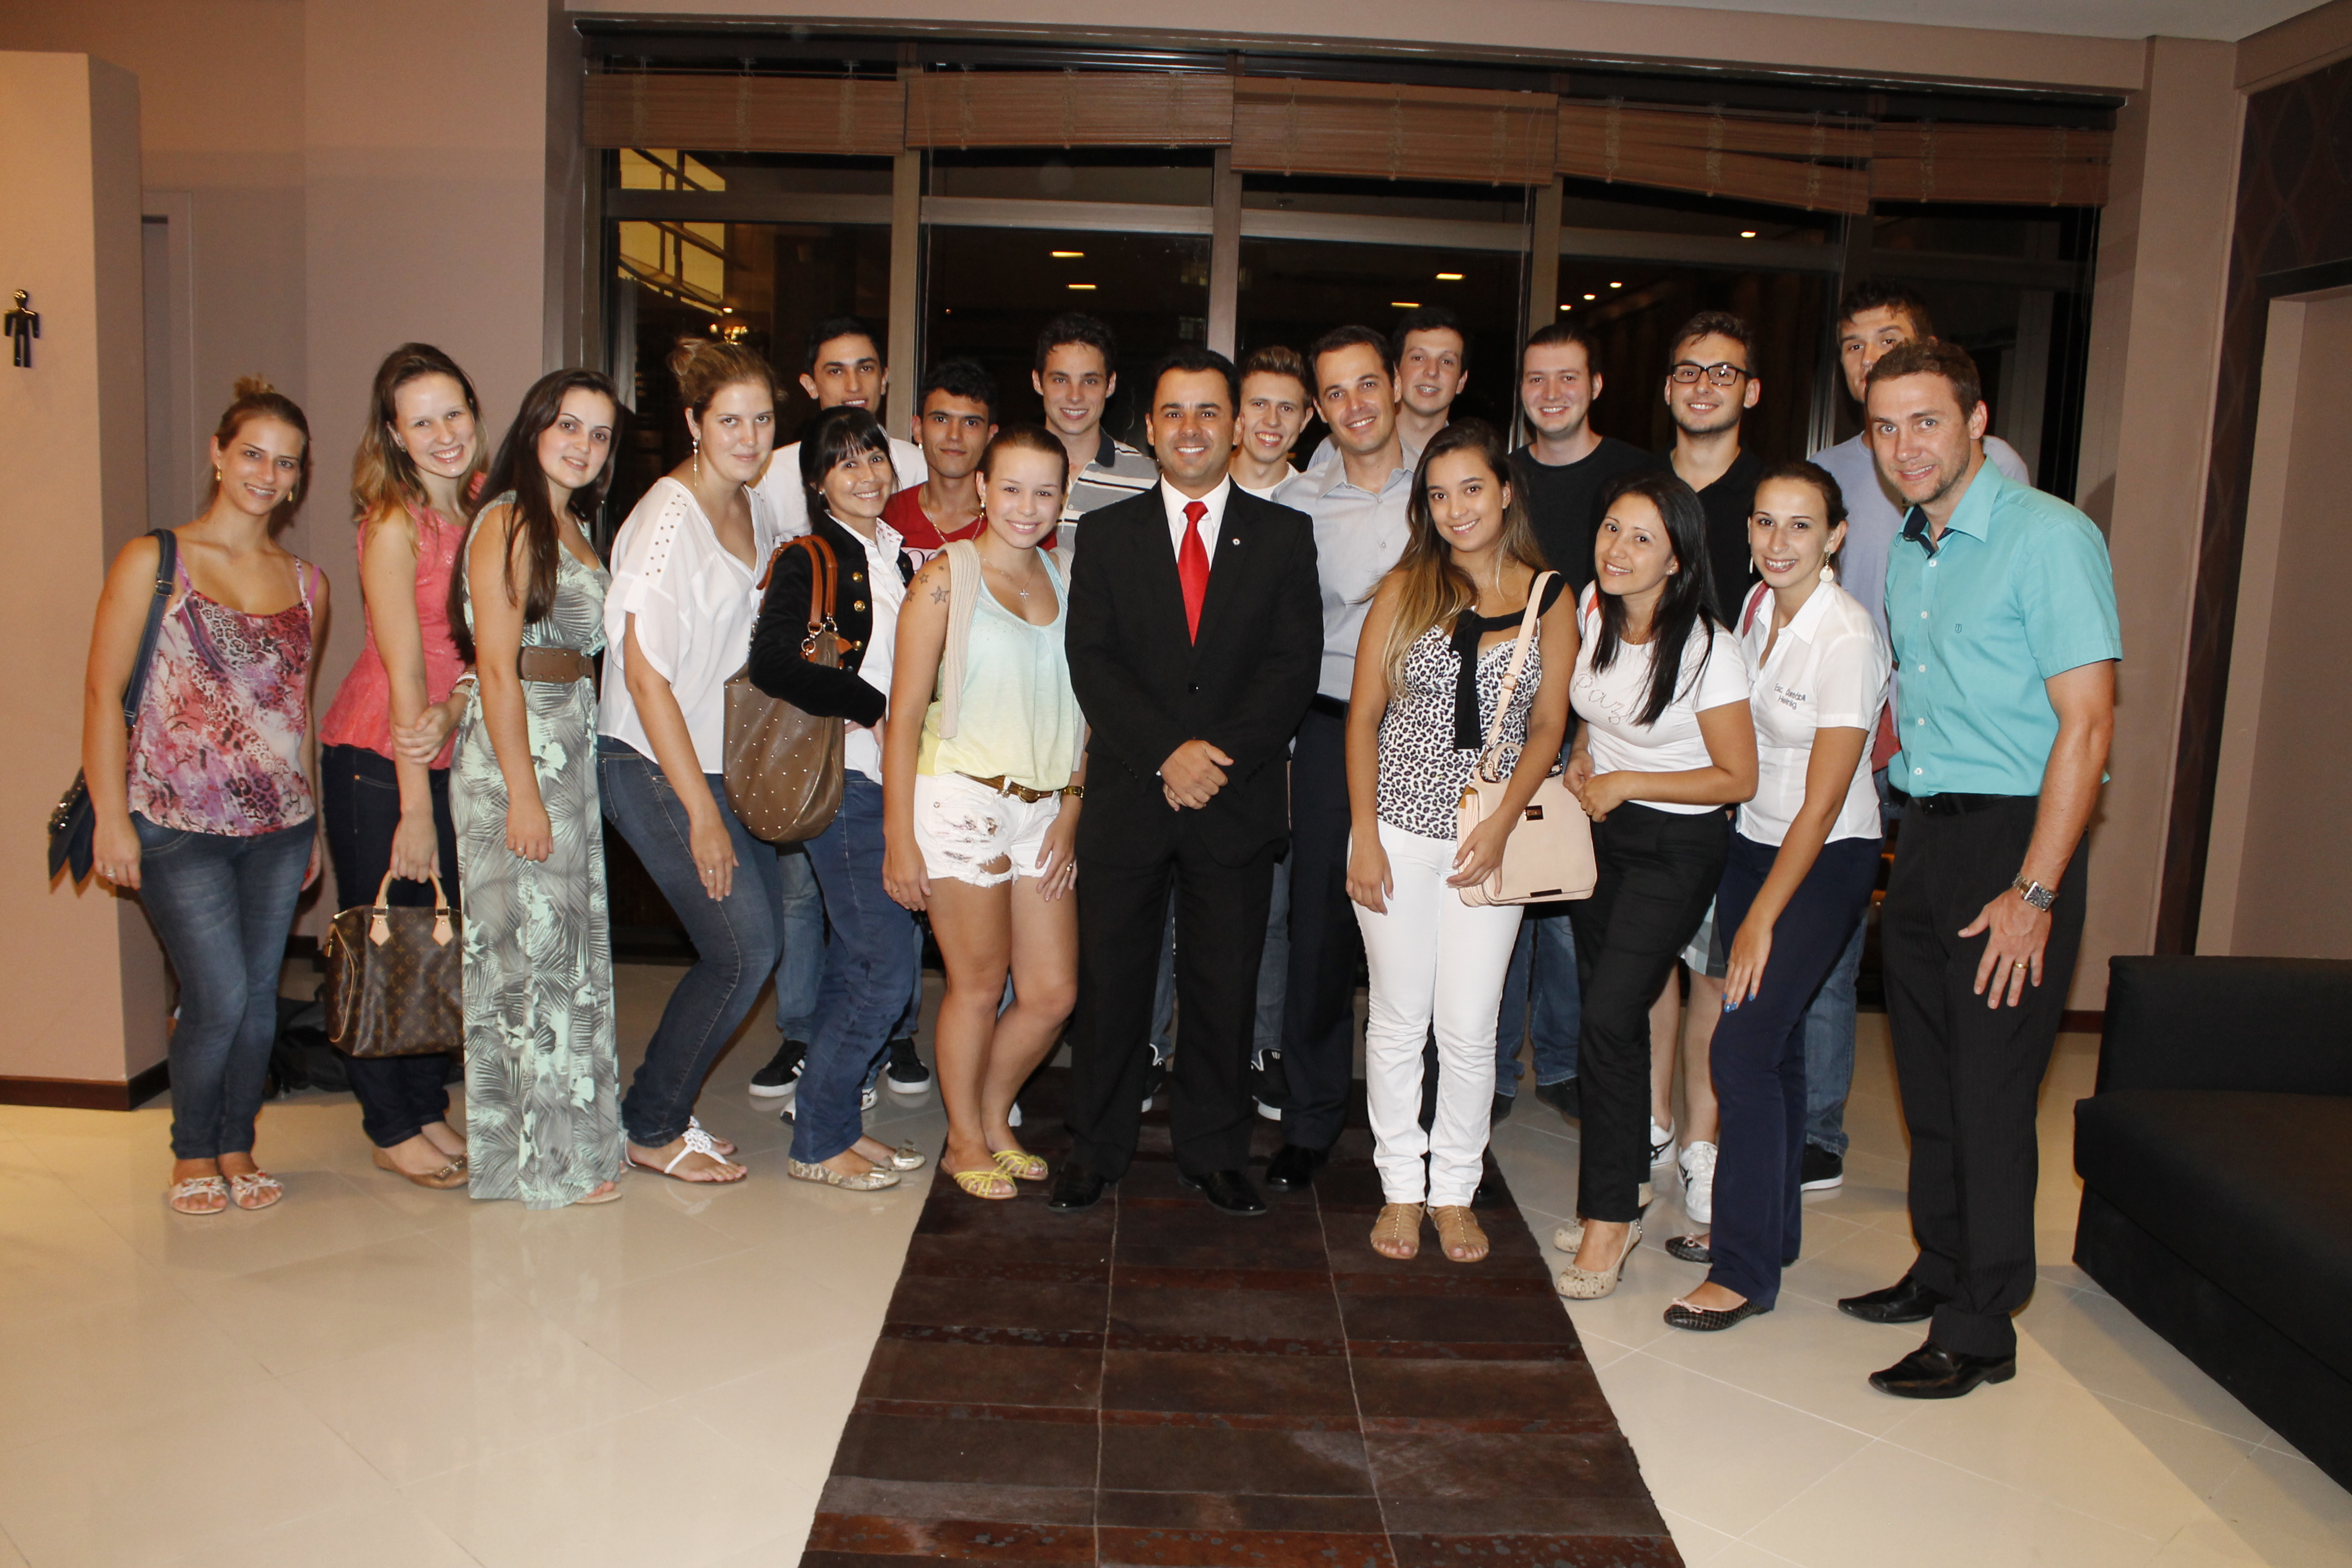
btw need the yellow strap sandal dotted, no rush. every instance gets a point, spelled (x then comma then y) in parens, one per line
(992, 1182)
(1020, 1165)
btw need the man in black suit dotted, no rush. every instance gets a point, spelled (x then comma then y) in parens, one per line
(1195, 635)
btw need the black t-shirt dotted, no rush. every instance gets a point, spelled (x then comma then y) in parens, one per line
(1564, 501)
(1728, 503)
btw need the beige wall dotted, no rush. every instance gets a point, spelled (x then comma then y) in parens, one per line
(2280, 862)
(85, 997)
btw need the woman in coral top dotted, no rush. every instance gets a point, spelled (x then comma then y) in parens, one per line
(387, 804)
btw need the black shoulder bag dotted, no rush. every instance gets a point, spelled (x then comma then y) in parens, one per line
(73, 825)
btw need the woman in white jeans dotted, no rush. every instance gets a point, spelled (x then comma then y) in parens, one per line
(1430, 670)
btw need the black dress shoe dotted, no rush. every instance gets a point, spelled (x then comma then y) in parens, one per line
(1293, 1168)
(1931, 1372)
(1566, 1097)
(1904, 1302)
(1076, 1186)
(1227, 1190)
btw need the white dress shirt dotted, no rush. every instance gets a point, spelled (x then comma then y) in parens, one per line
(1827, 670)
(863, 749)
(1176, 501)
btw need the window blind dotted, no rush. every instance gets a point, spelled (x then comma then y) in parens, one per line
(1935, 162)
(1069, 108)
(1797, 163)
(726, 113)
(1291, 127)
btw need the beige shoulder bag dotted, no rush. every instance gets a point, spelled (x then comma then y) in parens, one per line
(1548, 855)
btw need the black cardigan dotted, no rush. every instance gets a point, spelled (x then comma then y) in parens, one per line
(776, 665)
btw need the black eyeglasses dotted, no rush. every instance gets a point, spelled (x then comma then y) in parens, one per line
(1687, 372)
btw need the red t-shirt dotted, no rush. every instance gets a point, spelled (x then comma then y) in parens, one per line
(904, 511)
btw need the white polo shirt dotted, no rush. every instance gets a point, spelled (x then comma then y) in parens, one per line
(1827, 670)
(694, 604)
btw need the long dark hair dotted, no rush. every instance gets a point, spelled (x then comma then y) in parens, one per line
(1684, 605)
(835, 434)
(515, 471)
(384, 476)
(1434, 590)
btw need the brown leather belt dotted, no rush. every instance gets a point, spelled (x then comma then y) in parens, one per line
(554, 665)
(1003, 786)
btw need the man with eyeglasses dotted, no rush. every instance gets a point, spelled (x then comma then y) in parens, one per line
(1710, 386)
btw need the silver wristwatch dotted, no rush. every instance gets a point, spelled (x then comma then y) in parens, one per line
(2033, 892)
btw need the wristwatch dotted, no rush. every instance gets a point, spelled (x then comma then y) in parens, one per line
(2033, 892)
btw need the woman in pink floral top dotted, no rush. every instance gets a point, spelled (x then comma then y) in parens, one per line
(206, 808)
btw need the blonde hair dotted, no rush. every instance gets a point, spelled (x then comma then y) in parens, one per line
(1432, 591)
(705, 367)
(257, 399)
(385, 480)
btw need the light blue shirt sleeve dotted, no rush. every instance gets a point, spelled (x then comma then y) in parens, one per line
(2067, 601)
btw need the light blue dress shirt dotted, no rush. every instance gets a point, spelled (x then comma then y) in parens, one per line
(2018, 590)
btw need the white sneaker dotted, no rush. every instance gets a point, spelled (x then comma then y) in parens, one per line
(1699, 1183)
(1013, 1118)
(1661, 1145)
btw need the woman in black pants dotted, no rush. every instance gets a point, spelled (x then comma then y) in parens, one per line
(1664, 744)
(1801, 866)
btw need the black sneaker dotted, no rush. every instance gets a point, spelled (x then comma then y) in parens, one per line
(1564, 1097)
(906, 1076)
(1270, 1084)
(782, 1074)
(1502, 1108)
(1820, 1170)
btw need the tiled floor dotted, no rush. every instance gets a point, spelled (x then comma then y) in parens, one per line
(1151, 1381)
(374, 1376)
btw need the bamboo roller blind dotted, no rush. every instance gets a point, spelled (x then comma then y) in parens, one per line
(1069, 108)
(846, 115)
(1282, 125)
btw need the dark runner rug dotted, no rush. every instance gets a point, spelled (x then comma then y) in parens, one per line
(1154, 1383)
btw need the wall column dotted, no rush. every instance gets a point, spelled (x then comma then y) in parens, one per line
(86, 980)
(2156, 334)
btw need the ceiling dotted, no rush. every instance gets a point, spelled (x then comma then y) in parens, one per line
(2226, 19)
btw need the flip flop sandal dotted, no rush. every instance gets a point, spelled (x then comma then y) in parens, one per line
(1020, 1165)
(723, 1147)
(696, 1141)
(1399, 1226)
(255, 1189)
(184, 1194)
(873, 1181)
(984, 1184)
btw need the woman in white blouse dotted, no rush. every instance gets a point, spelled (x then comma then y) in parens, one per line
(1797, 881)
(678, 623)
(1663, 745)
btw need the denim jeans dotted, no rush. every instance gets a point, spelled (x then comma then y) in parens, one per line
(359, 793)
(734, 938)
(1829, 1047)
(801, 967)
(864, 993)
(220, 905)
(1542, 981)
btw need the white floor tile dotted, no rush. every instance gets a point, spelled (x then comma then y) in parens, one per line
(80, 1365)
(1701, 1545)
(2093, 1339)
(1889, 1505)
(567, 1261)
(327, 1308)
(1803, 1355)
(385, 1534)
(2276, 1509)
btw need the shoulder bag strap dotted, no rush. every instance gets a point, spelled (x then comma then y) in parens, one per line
(964, 586)
(824, 581)
(1511, 676)
(167, 573)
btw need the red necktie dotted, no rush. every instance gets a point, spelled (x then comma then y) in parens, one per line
(1192, 565)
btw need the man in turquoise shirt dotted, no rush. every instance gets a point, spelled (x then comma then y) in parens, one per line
(2001, 608)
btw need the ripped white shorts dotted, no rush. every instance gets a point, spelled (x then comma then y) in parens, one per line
(969, 832)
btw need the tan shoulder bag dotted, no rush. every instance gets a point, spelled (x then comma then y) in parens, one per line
(1548, 855)
(784, 766)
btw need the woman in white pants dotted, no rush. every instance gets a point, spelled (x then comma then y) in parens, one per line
(1437, 643)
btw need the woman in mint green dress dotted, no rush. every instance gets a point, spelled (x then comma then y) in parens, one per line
(542, 1106)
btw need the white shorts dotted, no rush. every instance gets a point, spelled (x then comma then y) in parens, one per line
(965, 828)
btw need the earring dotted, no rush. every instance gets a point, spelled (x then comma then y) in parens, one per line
(1828, 573)
(216, 475)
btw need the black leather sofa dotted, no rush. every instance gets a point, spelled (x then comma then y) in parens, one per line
(2216, 1157)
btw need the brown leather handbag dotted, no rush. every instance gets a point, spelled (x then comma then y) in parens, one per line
(785, 765)
(393, 978)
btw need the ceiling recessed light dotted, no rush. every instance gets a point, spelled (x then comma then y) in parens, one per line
(1568, 307)
(1087, 286)
(1748, 234)
(1592, 296)
(1449, 278)
(1404, 304)
(1616, 285)
(1068, 255)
